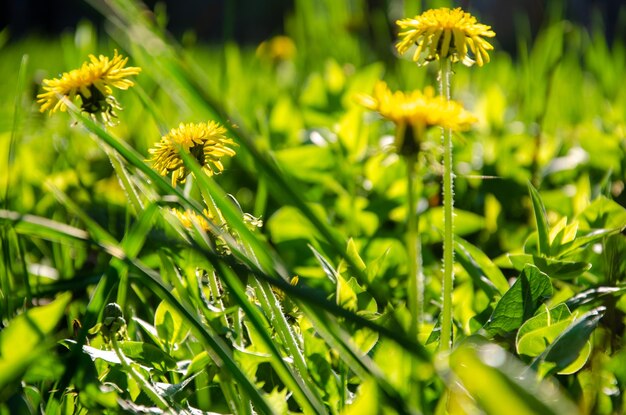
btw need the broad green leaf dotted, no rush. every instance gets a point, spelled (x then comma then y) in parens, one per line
(169, 324)
(148, 354)
(555, 268)
(499, 383)
(567, 347)
(541, 220)
(541, 330)
(27, 336)
(480, 268)
(366, 400)
(520, 302)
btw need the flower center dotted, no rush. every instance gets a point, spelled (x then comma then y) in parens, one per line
(96, 102)
(197, 150)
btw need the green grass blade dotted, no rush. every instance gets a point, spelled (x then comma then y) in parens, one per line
(17, 112)
(541, 220)
(125, 181)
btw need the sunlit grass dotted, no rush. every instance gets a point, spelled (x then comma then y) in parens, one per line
(308, 313)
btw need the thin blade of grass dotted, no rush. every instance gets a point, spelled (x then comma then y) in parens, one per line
(541, 219)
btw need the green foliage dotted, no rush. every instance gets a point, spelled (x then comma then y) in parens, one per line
(109, 303)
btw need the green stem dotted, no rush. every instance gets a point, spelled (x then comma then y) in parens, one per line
(217, 299)
(143, 383)
(448, 216)
(273, 309)
(416, 277)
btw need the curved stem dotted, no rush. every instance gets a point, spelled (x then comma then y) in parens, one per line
(448, 217)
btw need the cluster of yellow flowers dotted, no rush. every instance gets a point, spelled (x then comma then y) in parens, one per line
(437, 34)
(92, 85)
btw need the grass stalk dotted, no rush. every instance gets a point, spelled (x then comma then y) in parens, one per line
(448, 217)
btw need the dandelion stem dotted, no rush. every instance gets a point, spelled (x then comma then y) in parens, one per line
(416, 277)
(448, 217)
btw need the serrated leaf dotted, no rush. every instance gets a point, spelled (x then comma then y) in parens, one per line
(520, 302)
(555, 268)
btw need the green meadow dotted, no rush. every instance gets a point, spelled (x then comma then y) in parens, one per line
(305, 273)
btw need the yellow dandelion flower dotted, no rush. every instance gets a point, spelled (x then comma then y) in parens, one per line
(206, 142)
(445, 33)
(278, 48)
(189, 217)
(416, 111)
(92, 82)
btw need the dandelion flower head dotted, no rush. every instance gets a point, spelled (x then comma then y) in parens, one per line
(445, 33)
(206, 142)
(417, 110)
(93, 82)
(278, 48)
(189, 217)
